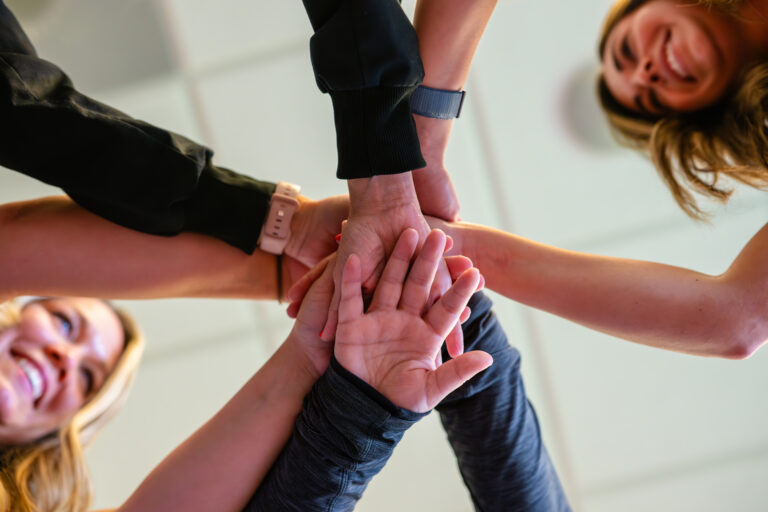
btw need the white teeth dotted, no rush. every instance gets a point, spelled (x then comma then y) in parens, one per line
(34, 377)
(676, 67)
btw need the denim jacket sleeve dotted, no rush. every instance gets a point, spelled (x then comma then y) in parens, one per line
(365, 55)
(120, 168)
(344, 435)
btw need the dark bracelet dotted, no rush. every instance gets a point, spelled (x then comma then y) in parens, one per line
(437, 103)
(279, 265)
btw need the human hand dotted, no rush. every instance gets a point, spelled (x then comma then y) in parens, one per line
(433, 185)
(394, 346)
(437, 195)
(380, 209)
(313, 227)
(310, 316)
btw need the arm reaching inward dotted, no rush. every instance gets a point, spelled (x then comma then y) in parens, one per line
(449, 32)
(53, 247)
(219, 466)
(650, 303)
(382, 380)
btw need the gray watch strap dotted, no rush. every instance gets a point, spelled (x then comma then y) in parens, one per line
(437, 103)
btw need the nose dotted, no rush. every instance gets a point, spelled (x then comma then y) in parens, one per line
(62, 357)
(646, 73)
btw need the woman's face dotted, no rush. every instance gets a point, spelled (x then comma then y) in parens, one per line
(672, 56)
(52, 361)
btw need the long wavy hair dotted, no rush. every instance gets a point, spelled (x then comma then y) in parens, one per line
(693, 151)
(50, 474)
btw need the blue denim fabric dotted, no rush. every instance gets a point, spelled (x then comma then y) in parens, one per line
(347, 431)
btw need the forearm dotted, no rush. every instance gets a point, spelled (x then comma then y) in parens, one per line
(128, 171)
(52, 247)
(493, 429)
(219, 466)
(365, 55)
(449, 33)
(644, 302)
(344, 435)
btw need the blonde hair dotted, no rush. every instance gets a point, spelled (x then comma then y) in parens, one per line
(50, 474)
(693, 150)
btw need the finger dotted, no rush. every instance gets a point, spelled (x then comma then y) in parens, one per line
(465, 315)
(293, 309)
(390, 286)
(457, 265)
(454, 342)
(351, 304)
(448, 244)
(417, 286)
(452, 374)
(301, 287)
(329, 329)
(444, 314)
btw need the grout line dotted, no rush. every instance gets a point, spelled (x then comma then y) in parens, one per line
(494, 168)
(692, 467)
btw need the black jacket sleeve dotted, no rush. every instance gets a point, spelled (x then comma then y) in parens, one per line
(365, 54)
(120, 168)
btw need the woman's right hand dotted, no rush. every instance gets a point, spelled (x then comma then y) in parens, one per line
(394, 345)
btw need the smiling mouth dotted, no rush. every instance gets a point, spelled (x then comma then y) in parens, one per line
(673, 64)
(33, 375)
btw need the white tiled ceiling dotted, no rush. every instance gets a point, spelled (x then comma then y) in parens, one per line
(629, 428)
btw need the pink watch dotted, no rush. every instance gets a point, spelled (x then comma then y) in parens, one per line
(277, 228)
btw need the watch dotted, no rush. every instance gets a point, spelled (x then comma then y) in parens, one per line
(277, 228)
(437, 103)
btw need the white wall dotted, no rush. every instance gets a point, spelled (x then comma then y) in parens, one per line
(630, 428)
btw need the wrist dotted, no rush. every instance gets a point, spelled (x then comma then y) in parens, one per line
(381, 193)
(433, 138)
(304, 370)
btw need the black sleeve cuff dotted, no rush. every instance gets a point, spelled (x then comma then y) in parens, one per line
(375, 132)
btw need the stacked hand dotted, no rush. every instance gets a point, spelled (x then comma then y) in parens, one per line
(380, 209)
(394, 346)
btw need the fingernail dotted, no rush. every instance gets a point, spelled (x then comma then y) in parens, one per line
(337, 237)
(321, 332)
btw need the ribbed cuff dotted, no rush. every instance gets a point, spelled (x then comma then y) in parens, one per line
(340, 374)
(229, 206)
(375, 133)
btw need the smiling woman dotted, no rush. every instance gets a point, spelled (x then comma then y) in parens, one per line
(688, 82)
(66, 366)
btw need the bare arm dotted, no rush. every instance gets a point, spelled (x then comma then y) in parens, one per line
(222, 464)
(449, 32)
(650, 303)
(51, 246)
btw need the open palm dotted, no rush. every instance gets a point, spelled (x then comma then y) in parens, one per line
(394, 346)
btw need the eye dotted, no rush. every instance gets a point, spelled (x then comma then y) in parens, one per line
(64, 323)
(88, 379)
(626, 51)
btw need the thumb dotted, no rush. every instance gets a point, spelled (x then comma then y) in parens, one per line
(452, 374)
